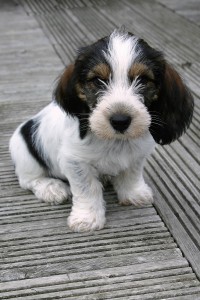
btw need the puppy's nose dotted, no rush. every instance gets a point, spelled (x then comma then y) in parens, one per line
(120, 122)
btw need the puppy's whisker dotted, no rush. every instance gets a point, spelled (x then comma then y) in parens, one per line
(83, 114)
(157, 118)
(153, 118)
(155, 123)
(100, 93)
(84, 125)
(157, 113)
(104, 83)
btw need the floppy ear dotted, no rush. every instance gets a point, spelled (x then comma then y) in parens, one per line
(172, 111)
(65, 94)
(61, 90)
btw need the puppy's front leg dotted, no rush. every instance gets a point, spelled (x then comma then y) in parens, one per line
(131, 188)
(88, 210)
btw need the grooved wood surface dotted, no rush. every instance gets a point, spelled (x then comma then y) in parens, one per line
(139, 253)
(188, 9)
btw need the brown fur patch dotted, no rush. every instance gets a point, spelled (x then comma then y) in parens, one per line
(66, 75)
(172, 79)
(101, 70)
(139, 69)
(80, 92)
(60, 91)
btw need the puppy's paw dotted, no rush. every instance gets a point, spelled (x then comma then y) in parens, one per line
(51, 191)
(140, 196)
(86, 221)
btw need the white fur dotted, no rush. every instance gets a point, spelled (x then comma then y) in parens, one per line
(121, 54)
(83, 161)
(120, 96)
(119, 99)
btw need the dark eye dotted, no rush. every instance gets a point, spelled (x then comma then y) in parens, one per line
(95, 80)
(144, 79)
(98, 81)
(131, 79)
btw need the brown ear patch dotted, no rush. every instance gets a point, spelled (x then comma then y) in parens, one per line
(60, 90)
(101, 70)
(139, 69)
(172, 79)
(66, 76)
(80, 92)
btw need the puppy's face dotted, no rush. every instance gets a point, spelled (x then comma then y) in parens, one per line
(116, 89)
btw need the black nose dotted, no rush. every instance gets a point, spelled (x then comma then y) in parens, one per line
(120, 122)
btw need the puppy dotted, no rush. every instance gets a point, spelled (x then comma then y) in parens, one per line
(109, 109)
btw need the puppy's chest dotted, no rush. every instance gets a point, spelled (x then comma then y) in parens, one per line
(112, 161)
(107, 167)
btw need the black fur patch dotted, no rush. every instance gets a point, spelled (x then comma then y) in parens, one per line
(29, 131)
(167, 98)
(172, 110)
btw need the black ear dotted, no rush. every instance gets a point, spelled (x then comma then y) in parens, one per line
(172, 111)
(67, 96)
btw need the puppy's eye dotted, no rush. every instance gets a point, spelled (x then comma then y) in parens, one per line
(131, 79)
(98, 81)
(95, 80)
(144, 79)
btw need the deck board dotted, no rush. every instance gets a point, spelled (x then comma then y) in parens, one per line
(188, 9)
(139, 253)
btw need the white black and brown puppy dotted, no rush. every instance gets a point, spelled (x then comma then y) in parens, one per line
(109, 109)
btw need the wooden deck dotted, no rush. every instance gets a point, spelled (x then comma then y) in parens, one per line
(148, 253)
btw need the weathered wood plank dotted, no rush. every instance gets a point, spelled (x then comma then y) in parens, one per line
(188, 9)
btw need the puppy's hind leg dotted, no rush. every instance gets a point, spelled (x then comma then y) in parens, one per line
(50, 190)
(33, 176)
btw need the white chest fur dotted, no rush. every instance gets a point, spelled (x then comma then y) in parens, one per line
(109, 157)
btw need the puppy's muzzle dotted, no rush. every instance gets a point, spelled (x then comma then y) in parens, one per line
(120, 122)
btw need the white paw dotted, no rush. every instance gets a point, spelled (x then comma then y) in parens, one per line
(140, 196)
(51, 191)
(86, 221)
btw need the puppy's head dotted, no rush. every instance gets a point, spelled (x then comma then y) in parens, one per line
(120, 87)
